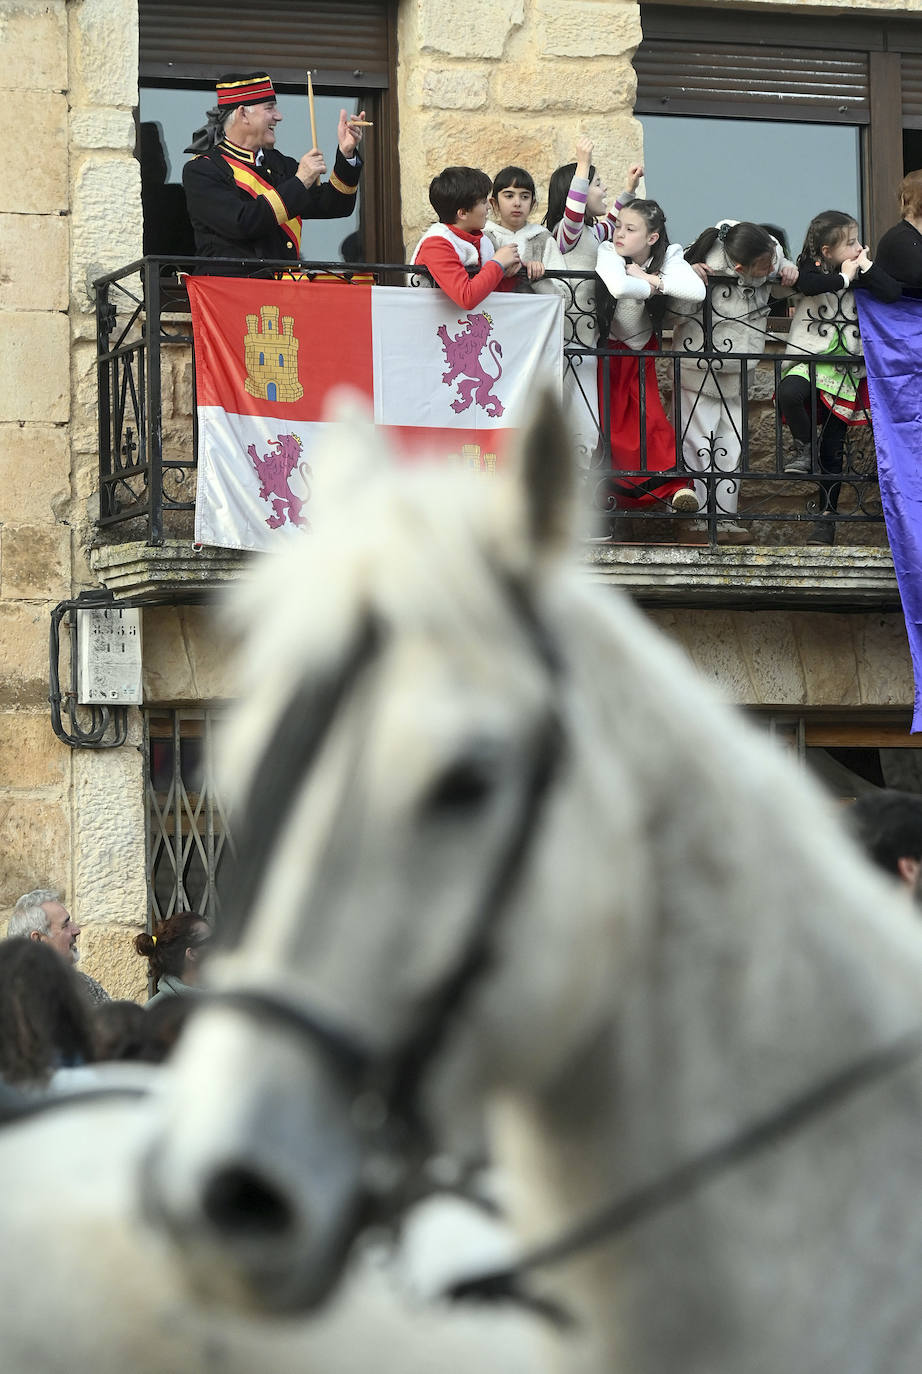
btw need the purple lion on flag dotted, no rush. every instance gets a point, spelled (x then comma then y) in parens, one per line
(462, 354)
(274, 471)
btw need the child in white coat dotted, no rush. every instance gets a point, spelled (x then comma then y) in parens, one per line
(752, 267)
(512, 201)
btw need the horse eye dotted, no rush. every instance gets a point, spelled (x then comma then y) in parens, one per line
(463, 786)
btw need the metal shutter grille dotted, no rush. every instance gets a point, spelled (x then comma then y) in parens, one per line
(912, 90)
(762, 82)
(344, 39)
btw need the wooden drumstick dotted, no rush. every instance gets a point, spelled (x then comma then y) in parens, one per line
(310, 101)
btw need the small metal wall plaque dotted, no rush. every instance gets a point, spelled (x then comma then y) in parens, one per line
(109, 657)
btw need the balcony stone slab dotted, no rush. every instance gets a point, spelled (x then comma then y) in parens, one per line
(847, 578)
(175, 571)
(840, 578)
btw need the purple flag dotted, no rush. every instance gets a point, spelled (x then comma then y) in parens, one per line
(891, 334)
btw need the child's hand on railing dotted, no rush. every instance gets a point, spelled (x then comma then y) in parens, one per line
(508, 259)
(535, 270)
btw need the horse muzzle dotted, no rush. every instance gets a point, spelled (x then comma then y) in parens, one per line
(257, 1175)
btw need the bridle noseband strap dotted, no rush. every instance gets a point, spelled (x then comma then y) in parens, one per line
(350, 1055)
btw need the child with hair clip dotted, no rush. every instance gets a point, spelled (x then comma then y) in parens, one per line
(831, 394)
(512, 201)
(642, 274)
(751, 267)
(578, 218)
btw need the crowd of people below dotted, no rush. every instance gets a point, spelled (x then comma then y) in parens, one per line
(60, 1031)
(58, 1025)
(247, 200)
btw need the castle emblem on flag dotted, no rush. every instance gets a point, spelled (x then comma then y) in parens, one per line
(462, 355)
(274, 472)
(271, 356)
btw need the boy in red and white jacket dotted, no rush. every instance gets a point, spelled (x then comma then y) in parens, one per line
(457, 245)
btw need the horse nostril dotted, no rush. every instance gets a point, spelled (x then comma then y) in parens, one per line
(239, 1202)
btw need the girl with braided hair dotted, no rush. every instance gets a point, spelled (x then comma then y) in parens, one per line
(174, 950)
(829, 394)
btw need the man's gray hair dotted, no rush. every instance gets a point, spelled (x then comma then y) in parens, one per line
(29, 915)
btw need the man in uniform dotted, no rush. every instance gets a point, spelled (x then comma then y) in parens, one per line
(245, 198)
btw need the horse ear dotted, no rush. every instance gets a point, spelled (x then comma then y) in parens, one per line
(544, 470)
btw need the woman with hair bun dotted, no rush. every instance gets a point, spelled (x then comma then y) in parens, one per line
(174, 950)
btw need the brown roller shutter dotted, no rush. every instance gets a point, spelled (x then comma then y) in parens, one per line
(757, 81)
(345, 42)
(912, 90)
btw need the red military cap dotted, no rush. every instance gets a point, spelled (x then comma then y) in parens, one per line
(252, 88)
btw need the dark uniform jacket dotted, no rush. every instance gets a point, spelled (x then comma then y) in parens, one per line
(231, 221)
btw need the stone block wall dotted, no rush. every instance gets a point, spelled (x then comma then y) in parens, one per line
(108, 889)
(518, 84)
(68, 820)
(35, 553)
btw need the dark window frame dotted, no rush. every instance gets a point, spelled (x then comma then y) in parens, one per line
(381, 221)
(883, 38)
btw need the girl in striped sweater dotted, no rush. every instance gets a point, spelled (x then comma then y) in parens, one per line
(577, 217)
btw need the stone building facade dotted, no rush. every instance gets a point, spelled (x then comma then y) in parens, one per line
(520, 83)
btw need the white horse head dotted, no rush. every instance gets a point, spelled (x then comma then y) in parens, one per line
(500, 845)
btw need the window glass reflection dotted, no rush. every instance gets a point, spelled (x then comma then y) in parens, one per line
(702, 170)
(177, 113)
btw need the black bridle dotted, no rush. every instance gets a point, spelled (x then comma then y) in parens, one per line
(393, 1080)
(388, 1083)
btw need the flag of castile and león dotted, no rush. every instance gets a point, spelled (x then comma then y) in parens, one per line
(268, 353)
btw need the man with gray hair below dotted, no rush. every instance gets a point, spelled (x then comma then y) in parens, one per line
(40, 915)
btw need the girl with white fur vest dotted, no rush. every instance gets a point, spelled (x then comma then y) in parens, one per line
(642, 273)
(512, 201)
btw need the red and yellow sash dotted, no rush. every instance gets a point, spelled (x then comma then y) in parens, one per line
(249, 180)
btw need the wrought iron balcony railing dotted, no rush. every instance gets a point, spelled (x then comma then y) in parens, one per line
(728, 435)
